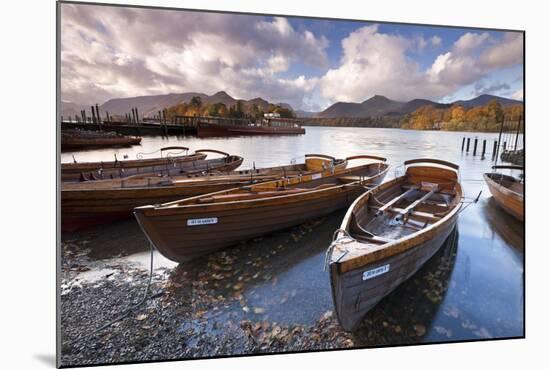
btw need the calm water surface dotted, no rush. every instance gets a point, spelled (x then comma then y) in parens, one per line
(473, 288)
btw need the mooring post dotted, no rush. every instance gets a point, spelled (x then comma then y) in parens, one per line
(499, 138)
(463, 140)
(468, 145)
(133, 116)
(97, 114)
(137, 116)
(475, 146)
(504, 146)
(164, 115)
(517, 134)
(483, 149)
(93, 115)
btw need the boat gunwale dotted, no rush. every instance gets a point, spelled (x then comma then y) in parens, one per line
(173, 207)
(501, 188)
(240, 174)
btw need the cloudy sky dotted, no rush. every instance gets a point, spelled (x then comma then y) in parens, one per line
(111, 52)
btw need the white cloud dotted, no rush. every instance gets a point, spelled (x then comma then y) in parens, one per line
(111, 52)
(518, 95)
(117, 52)
(435, 41)
(378, 63)
(506, 53)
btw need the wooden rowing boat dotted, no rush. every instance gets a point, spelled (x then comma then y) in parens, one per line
(134, 163)
(507, 190)
(77, 140)
(186, 229)
(90, 203)
(388, 233)
(171, 165)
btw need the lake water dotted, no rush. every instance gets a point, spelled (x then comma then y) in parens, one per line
(473, 288)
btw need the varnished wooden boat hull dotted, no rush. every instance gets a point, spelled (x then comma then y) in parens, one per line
(508, 200)
(182, 167)
(354, 297)
(80, 209)
(169, 229)
(85, 204)
(78, 143)
(364, 269)
(72, 171)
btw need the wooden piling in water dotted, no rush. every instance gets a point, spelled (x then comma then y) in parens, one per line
(93, 114)
(463, 140)
(504, 146)
(483, 148)
(97, 114)
(137, 116)
(517, 133)
(499, 138)
(468, 145)
(475, 146)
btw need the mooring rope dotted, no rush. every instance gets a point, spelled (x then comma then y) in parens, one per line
(130, 309)
(336, 241)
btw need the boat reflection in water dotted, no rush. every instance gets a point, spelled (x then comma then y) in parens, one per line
(507, 227)
(406, 315)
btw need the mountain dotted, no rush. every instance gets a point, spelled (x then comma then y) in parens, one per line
(375, 106)
(305, 114)
(485, 99)
(70, 109)
(380, 106)
(150, 105)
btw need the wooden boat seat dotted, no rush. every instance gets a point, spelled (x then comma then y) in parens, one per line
(360, 233)
(442, 191)
(248, 196)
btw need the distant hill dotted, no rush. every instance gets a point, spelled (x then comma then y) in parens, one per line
(378, 106)
(71, 109)
(485, 99)
(150, 105)
(305, 114)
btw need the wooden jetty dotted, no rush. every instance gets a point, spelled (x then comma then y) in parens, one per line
(215, 126)
(388, 233)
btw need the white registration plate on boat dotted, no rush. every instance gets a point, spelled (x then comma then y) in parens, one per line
(202, 221)
(376, 272)
(316, 176)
